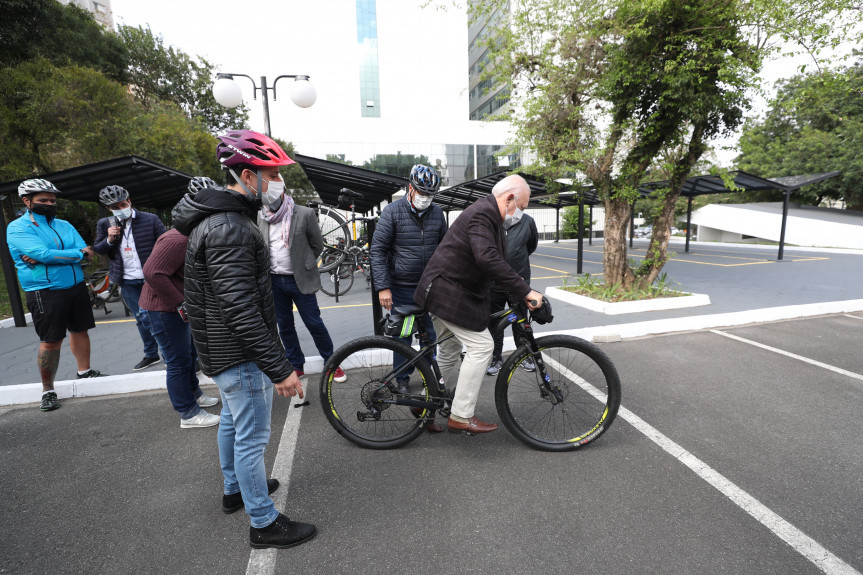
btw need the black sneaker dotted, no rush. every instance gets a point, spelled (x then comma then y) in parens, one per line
(91, 373)
(147, 362)
(234, 502)
(49, 401)
(281, 534)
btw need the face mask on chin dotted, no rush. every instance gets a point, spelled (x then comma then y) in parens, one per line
(123, 214)
(511, 220)
(49, 211)
(421, 203)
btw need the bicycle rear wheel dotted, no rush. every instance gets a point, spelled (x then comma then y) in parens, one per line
(344, 272)
(361, 408)
(583, 403)
(336, 236)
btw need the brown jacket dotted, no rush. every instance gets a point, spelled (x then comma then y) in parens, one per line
(470, 257)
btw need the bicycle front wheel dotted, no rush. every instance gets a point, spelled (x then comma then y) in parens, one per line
(362, 409)
(578, 404)
(345, 275)
(336, 237)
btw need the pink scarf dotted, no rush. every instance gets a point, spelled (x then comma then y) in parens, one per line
(282, 214)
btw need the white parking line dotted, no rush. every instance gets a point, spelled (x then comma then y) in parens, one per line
(789, 354)
(799, 541)
(263, 561)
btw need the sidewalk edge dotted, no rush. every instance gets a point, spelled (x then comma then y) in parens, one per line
(118, 384)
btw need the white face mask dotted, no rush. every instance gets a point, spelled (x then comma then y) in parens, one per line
(421, 203)
(275, 189)
(511, 220)
(123, 214)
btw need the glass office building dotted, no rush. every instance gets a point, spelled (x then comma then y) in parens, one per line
(367, 43)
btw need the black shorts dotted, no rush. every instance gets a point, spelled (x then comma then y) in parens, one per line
(55, 311)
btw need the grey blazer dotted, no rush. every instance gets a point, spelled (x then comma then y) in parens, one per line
(306, 245)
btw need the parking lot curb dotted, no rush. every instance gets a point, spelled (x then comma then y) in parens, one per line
(154, 380)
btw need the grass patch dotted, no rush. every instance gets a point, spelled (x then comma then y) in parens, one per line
(597, 289)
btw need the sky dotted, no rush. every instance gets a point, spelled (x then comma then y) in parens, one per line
(273, 37)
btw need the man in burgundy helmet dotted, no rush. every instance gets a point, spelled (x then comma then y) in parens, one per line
(229, 301)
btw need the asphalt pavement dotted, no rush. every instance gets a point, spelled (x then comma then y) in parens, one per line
(736, 450)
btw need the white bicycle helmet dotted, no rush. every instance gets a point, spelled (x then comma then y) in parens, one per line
(35, 186)
(199, 183)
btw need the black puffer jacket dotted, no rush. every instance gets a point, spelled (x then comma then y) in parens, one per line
(229, 297)
(404, 243)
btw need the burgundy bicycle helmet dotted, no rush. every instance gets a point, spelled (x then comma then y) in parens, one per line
(248, 148)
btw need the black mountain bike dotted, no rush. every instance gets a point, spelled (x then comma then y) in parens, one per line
(568, 401)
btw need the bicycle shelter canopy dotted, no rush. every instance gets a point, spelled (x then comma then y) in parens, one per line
(745, 182)
(150, 183)
(329, 177)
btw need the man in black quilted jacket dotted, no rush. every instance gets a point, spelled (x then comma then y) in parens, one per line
(406, 236)
(229, 302)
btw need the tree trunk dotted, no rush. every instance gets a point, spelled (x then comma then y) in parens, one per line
(614, 261)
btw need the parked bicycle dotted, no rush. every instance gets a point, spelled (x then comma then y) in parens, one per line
(338, 280)
(102, 290)
(338, 233)
(568, 401)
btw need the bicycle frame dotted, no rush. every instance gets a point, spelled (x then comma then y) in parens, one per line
(437, 402)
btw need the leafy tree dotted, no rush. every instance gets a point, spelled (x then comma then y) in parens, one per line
(814, 125)
(395, 164)
(339, 159)
(295, 178)
(569, 226)
(163, 73)
(53, 118)
(63, 34)
(603, 88)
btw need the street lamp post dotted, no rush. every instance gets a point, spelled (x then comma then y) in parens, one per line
(227, 92)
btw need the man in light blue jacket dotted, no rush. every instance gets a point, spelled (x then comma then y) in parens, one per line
(48, 253)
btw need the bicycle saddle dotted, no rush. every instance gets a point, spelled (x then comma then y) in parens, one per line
(404, 310)
(350, 193)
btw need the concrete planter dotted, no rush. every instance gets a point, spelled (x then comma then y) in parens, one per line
(616, 308)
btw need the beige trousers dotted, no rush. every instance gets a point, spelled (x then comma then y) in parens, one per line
(480, 346)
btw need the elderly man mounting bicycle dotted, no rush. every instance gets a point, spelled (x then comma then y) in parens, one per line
(455, 288)
(407, 235)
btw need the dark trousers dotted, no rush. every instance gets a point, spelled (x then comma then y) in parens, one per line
(405, 296)
(499, 303)
(131, 292)
(175, 341)
(286, 294)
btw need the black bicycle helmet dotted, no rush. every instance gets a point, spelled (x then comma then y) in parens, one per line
(112, 194)
(424, 179)
(35, 186)
(542, 315)
(199, 183)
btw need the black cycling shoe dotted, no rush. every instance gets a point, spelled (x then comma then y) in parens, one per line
(91, 373)
(234, 502)
(49, 401)
(281, 534)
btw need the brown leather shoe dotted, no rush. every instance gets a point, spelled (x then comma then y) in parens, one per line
(472, 427)
(434, 427)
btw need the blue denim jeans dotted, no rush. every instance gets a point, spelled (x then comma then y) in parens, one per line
(131, 292)
(286, 294)
(175, 341)
(405, 296)
(244, 432)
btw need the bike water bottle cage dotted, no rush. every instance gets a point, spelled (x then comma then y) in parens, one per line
(542, 315)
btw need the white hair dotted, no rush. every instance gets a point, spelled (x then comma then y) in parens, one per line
(514, 184)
